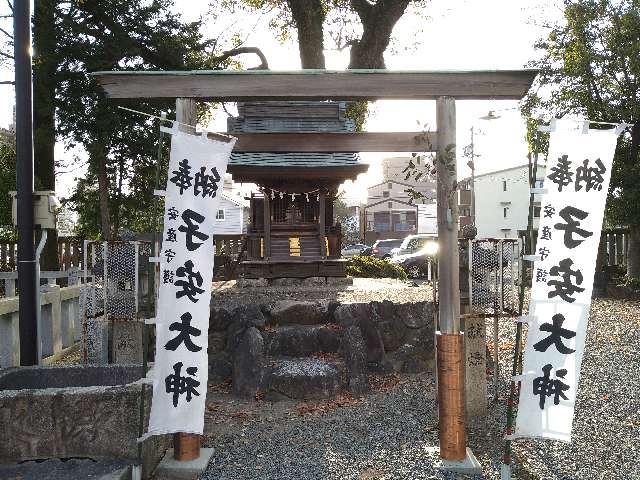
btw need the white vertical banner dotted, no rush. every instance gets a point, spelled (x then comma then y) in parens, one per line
(197, 166)
(571, 213)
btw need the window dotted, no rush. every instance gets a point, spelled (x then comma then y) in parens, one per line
(504, 212)
(220, 214)
(390, 204)
(536, 212)
(539, 183)
(385, 194)
(390, 186)
(504, 185)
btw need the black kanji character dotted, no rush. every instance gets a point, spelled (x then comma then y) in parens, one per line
(564, 289)
(549, 211)
(557, 333)
(186, 331)
(173, 213)
(182, 177)
(561, 174)
(178, 385)
(591, 176)
(571, 226)
(544, 253)
(541, 275)
(191, 229)
(545, 387)
(167, 276)
(190, 286)
(172, 235)
(169, 254)
(546, 233)
(208, 183)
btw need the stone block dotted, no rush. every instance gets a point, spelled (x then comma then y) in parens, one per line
(172, 469)
(96, 341)
(248, 363)
(287, 312)
(475, 351)
(126, 343)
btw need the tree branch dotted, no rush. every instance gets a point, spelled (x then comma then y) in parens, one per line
(264, 65)
(2, 30)
(6, 55)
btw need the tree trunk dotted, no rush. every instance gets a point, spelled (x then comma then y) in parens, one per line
(45, 66)
(100, 159)
(309, 15)
(378, 21)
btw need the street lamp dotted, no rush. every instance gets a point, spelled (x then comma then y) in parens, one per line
(491, 115)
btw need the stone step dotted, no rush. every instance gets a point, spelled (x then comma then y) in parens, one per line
(302, 340)
(308, 378)
(287, 312)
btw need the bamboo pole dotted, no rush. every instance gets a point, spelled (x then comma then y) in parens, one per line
(186, 446)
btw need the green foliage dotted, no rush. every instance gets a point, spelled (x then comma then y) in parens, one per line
(372, 267)
(7, 179)
(589, 66)
(632, 282)
(118, 35)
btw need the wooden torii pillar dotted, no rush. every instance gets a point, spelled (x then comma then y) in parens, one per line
(444, 87)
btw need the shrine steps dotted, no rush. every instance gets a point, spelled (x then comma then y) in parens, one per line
(306, 378)
(301, 340)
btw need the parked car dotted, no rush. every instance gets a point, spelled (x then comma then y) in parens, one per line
(415, 255)
(415, 243)
(382, 248)
(353, 249)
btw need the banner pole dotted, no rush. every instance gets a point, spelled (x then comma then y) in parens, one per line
(527, 246)
(186, 446)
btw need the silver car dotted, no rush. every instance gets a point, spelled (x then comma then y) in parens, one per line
(353, 249)
(382, 248)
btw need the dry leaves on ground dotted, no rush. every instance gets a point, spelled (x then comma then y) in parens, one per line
(322, 406)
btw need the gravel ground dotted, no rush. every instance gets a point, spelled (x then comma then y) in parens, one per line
(384, 435)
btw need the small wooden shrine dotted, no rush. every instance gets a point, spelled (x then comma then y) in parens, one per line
(292, 231)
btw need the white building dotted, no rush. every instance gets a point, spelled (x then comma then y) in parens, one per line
(390, 211)
(229, 219)
(502, 201)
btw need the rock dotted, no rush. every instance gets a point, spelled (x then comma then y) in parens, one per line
(314, 281)
(359, 314)
(248, 361)
(286, 312)
(405, 323)
(329, 338)
(219, 318)
(302, 340)
(220, 367)
(303, 378)
(355, 355)
(250, 315)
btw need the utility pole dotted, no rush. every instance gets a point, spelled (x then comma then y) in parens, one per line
(24, 184)
(472, 165)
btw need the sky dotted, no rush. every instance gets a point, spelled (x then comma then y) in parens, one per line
(453, 35)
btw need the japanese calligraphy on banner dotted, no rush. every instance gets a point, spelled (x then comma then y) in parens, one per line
(576, 183)
(197, 166)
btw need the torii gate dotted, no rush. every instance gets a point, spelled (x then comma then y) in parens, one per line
(443, 86)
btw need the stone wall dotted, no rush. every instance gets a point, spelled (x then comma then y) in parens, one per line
(313, 349)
